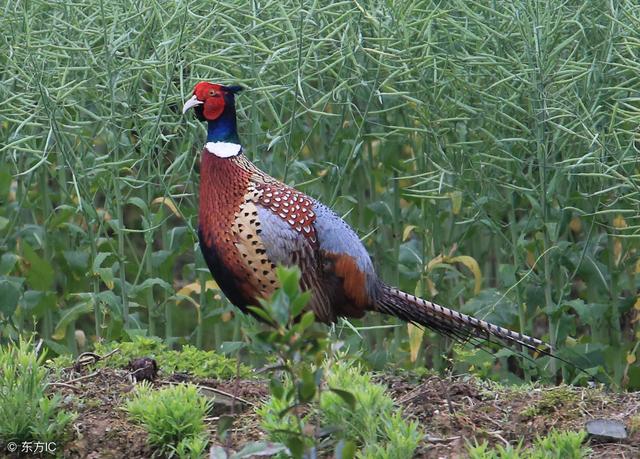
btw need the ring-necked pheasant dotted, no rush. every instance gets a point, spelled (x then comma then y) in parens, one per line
(249, 222)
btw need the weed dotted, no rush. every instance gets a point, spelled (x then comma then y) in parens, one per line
(372, 422)
(193, 447)
(332, 395)
(200, 363)
(172, 416)
(484, 451)
(561, 445)
(556, 445)
(551, 400)
(354, 409)
(27, 413)
(203, 364)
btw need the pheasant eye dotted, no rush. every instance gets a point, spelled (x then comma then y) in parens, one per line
(212, 93)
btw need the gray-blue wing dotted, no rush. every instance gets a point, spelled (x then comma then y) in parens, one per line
(288, 247)
(338, 270)
(336, 236)
(337, 241)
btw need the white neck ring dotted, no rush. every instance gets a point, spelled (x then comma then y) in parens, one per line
(223, 149)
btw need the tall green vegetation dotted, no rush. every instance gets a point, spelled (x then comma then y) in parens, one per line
(486, 153)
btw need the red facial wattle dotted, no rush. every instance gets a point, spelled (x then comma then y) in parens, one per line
(212, 97)
(213, 107)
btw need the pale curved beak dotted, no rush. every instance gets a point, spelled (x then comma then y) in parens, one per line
(191, 103)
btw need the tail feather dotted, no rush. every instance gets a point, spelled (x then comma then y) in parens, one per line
(449, 322)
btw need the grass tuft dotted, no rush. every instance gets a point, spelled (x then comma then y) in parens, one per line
(373, 423)
(172, 416)
(556, 445)
(27, 412)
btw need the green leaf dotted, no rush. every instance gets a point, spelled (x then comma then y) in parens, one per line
(4, 222)
(5, 183)
(276, 388)
(318, 376)
(493, 306)
(148, 283)
(634, 378)
(307, 320)
(289, 280)
(71, 315)
(58, 348)
(299, 303)
(7, 262)
(229, 347)
(77, 259)
(224, 424)
(113, 301)
(346, 396)
(107, 276)
(593, 314)
(284, 412)
(307, 387)
(260, 448)
(36, 302)
(99, 259)
(164, 261)
(301, 165)
(295, 445)
(40, 275)
(139, 203)
(279, 308)
(217, 452)
(345, 449)
(115, 225)
(261, 313)
(62, 217)
(9, 295)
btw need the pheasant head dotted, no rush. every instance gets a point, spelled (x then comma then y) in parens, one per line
(215, 104)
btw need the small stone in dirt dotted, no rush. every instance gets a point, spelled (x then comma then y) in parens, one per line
(606, 430)
(143, 369)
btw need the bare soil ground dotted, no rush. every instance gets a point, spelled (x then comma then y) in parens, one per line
(451, 411)
(457, 410)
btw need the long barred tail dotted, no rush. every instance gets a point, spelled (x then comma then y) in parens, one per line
(452, 323)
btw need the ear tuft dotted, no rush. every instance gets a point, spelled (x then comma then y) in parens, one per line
(234, 89)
